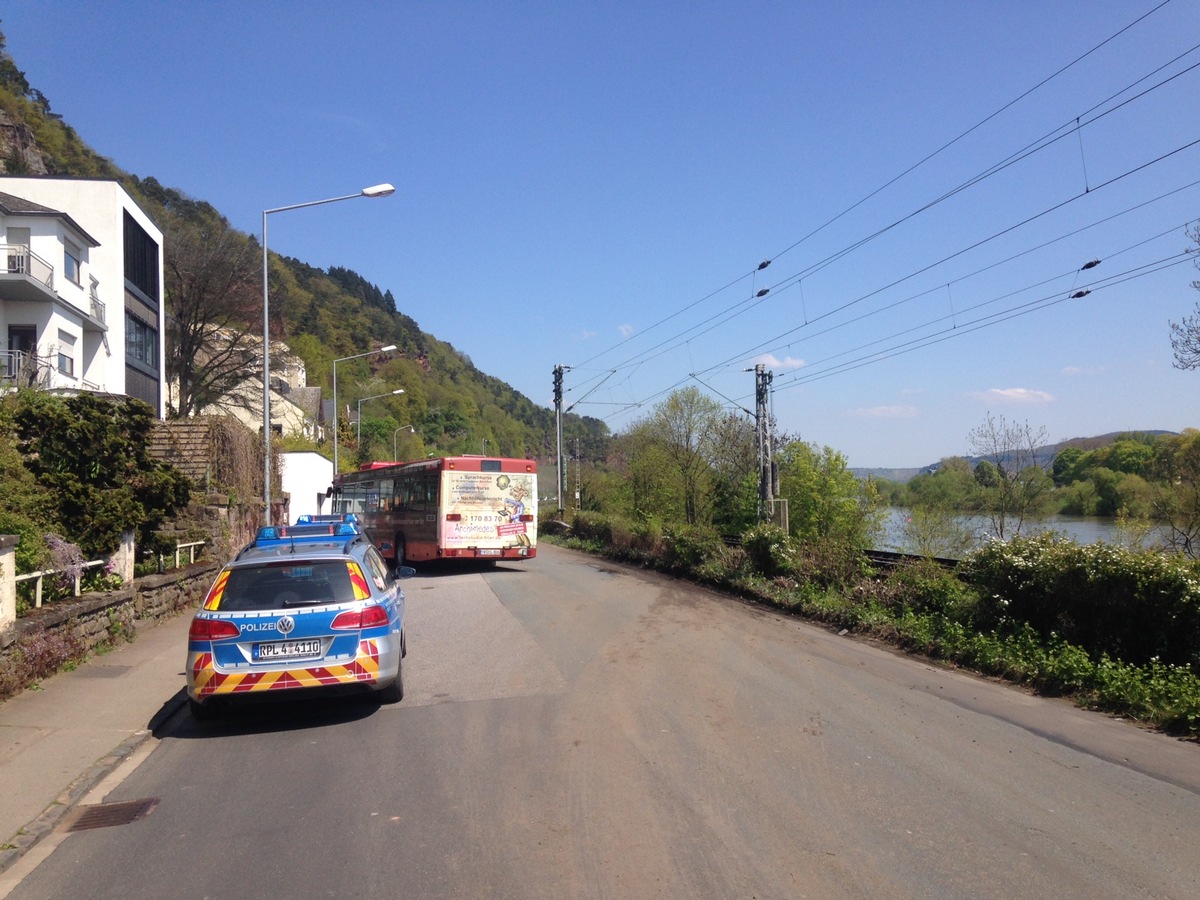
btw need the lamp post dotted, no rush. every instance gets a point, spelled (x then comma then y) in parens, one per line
(378, 190)
(396, 442)
(386, 349)
(358, 433)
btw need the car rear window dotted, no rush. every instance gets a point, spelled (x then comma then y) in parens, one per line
(287, 586)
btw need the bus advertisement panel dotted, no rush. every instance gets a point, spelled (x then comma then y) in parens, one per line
(487, 510)
(460, 507)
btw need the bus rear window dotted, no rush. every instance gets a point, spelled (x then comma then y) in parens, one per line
(489, 465)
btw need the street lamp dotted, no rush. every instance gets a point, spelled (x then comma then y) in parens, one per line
(377, 190)
(386, 349)
(358, 434)
(396, 442)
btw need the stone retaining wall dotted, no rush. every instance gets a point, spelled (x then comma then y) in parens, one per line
(102, 618)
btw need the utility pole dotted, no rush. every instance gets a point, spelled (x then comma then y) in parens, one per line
(560, 479)
(767, 477)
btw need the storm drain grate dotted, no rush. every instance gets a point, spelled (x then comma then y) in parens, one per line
(102, 815)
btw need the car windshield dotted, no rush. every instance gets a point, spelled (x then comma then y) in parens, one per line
(283, 586)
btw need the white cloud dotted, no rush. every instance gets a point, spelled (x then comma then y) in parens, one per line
(1072, 371)
(1015, 395)
(773, 362)
(587, 335)
(625, 330)
(884, 412)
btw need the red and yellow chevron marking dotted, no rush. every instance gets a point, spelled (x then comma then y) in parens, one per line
(207, 681)
(216, 592)
(361, 590)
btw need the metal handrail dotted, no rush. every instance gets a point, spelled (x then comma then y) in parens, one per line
(191, 548)
(23, 261)
(38, 577)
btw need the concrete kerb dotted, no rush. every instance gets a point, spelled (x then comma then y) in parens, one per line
(31, 834)
(158, 662)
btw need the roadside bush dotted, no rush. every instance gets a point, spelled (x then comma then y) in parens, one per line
(38, 655)
(646, 538)
(688, 547)
(31, 553)
(768, 550)
(1133, 605)
(831, 563)
(724, 567)
(592, 527)
(927, 587)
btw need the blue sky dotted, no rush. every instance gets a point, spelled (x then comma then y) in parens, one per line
(595, 184)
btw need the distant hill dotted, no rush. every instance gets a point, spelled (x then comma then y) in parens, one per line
(1045, 456)
(322, 314)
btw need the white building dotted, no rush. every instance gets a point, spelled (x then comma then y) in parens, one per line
(305, 477)
(81, 301)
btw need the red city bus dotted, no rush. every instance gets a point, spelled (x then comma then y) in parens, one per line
(451, 507)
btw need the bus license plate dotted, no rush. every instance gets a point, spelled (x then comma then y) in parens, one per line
(310, 649)
(489, 552)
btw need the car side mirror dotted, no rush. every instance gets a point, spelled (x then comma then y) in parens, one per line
(405, 572)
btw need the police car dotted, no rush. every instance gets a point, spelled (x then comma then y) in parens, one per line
(311, 606)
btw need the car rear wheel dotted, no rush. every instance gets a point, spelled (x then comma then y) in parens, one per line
(394, 692)
(200, 712)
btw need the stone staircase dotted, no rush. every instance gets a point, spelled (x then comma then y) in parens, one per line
(187, 445)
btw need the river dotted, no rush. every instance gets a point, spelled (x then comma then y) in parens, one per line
(1081, 529)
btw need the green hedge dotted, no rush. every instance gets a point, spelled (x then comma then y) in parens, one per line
(1135, 606)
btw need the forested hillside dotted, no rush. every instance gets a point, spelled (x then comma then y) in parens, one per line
(213, 279)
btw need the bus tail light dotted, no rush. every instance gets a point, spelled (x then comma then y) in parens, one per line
(527, 518)
(453, 517)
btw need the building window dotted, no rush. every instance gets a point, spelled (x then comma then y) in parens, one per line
(71, 262)
(66, 353)
(141, 341)
(141, 259)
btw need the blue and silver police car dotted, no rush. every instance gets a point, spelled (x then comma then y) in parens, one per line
(311, 606)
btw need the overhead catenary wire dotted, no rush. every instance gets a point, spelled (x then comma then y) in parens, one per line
(722, 317)
(929, 157)
(745, 304)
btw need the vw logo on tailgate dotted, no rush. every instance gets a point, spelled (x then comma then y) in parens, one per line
(285, 625)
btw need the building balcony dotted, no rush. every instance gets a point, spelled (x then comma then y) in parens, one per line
(29, 278)
(19, 369)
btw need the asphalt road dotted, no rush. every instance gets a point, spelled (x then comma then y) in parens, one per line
(572, 728)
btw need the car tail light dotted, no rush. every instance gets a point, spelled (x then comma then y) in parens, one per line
(212, 630)
(354, 620)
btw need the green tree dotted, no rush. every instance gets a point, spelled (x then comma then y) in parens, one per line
(688, 422)
(655, 487)
(949, 486)
(91, 453)
(826, 501)
(1176, 496)
(1185, 334)
(1067, 466)
(1021, 488)
(937, 530)
(213, 288)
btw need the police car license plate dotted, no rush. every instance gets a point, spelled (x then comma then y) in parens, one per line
(310, 649)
